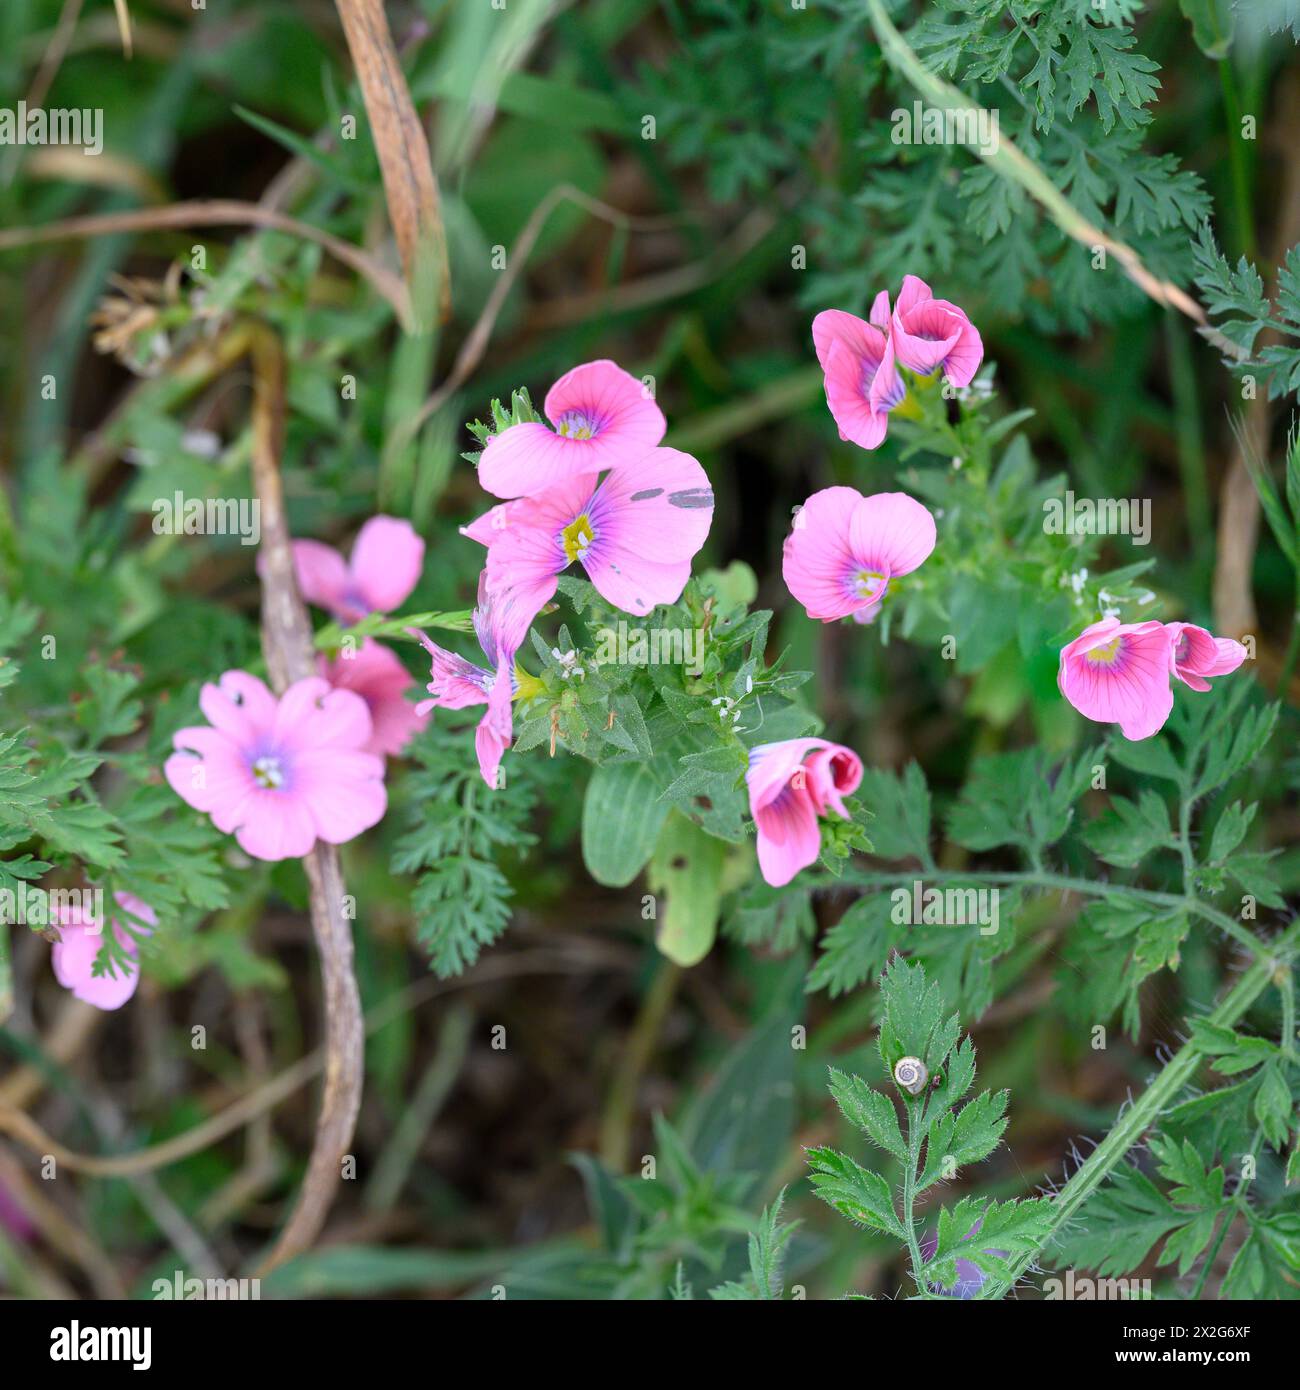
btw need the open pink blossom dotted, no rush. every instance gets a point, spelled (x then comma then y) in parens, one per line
(929, 333)
(603, 417)
(385, 566)
(280, 774)
(1195, 654)
(635, 533)
(857, 361)
(375, 672)
(1118, 673)
(457, 683)
(791, 784)
(73, 956)
(845, 549)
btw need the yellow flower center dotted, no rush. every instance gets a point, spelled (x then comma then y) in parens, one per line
(868, 583)
(526, 686)
(576, 537)
(1105, 656)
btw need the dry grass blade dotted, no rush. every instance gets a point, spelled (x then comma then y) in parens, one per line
(124, 25)
(410, 187)
(216, 212)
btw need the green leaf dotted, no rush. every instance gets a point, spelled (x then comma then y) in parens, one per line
(622, 818)
(1129, 831)
(687, 869)
(1119, 1224)
(1212, 25)
(870, 1110)
(970, 1134)
(901, 806)
(862, 1196)
(1230, 830)
(1273, 1107)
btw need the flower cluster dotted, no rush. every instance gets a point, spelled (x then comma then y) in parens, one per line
(1122, 673)
(860, 358)
(597, 490)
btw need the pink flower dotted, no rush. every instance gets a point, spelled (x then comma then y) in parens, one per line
(375, 672)
(929, 333)
(603, 417)
(458, 684)
(1194, 654)
(387, 558)
(857, 360)
(860, 357)
(73, 955)
(845, 549)
(280, 774)
(790, 785)
(1118, 673)
(635, 534)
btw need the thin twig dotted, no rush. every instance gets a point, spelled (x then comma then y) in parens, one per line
(477, 339)
(539, 961)
(1008, 160)
(217, 212)
(290, 656)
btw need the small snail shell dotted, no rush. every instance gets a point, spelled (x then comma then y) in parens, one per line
(911, 1075)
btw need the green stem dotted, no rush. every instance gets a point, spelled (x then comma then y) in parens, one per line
(1237, 160)
(1286, 986)
(1139, 1117)
(1235, 930)
(332, 636)
(913, 1108)
(1213, 1255)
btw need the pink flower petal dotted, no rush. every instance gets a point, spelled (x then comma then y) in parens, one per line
(789, 837)
(387, 559)
(496, 728)
(313, 715)
(891, 532)
(818, 559)
(376, 673)
(324, 580)
(848, 395)
(647, 522)
(1125, 680)
(73, 956)
(344, 792)
(603, 418)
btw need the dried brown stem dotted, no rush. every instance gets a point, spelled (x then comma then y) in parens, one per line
(410, 187)
(290, 657)
(217, 212)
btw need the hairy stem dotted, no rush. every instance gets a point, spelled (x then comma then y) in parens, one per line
(1089, 888)
(914, 1132)
(1140, 1116)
